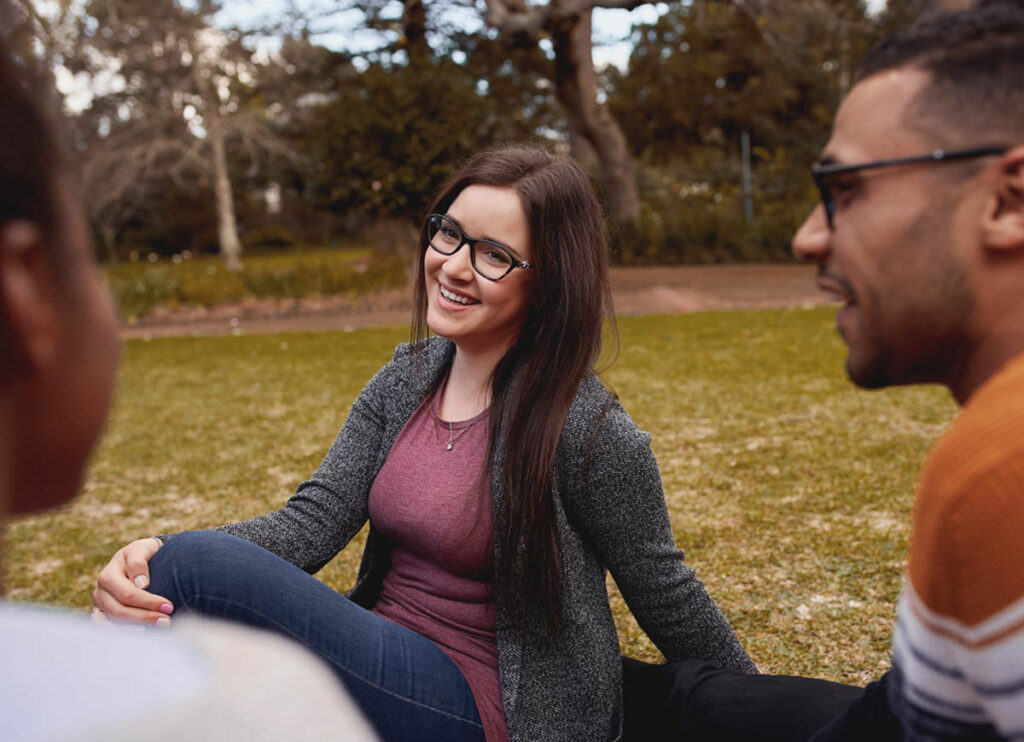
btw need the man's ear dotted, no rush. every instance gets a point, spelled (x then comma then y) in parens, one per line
(1003, 228)
(28, 296)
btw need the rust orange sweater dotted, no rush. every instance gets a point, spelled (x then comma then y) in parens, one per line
(958, 650)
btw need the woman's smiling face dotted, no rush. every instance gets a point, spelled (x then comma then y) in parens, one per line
(476, 314)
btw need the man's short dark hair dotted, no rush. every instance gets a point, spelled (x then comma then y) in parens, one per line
(975, 58)
(28, 154)
(28, 172)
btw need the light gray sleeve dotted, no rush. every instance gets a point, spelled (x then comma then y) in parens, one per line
(621, 507)
(255, 686)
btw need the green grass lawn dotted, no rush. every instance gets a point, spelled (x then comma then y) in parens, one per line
(790, 491)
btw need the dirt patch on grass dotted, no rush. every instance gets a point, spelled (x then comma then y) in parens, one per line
(636, 290)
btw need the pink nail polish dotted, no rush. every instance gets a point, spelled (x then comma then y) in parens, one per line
(166, 608)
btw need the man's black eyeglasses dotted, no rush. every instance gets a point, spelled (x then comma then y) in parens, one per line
(490, 259)
(825, 174)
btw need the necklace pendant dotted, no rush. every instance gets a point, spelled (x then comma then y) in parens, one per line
(449, 446)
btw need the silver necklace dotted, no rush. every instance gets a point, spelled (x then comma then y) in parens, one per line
(452, 437)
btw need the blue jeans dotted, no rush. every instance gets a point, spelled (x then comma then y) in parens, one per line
(408, 688)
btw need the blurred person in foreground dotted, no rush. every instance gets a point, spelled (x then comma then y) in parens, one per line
(60, 677)
(920, 234)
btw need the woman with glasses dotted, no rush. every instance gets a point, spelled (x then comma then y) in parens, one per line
(500, 480)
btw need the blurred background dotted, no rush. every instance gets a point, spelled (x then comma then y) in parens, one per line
(260, 156)
(289, 148)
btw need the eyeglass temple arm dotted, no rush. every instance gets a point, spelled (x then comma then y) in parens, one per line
(937, 155)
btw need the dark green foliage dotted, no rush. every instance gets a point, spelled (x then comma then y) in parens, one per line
(177, 218)
(699, 78)
(269, 237)
(387, 139)
(702, 80)
(515, 84)
(693, 216)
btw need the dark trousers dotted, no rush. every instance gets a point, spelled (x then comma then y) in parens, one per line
(691, 701)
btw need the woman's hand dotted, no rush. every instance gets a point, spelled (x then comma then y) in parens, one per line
(121, 588)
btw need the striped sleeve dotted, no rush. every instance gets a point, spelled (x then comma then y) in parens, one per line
(954, 681)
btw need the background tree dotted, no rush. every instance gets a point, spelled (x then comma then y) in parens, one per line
(568, 23)
(566, 26)
(41, 43)
(185, 94)
(700, 78)
(299, 143)
(381, 143)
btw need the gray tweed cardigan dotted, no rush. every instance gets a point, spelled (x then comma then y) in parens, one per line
(611, 515)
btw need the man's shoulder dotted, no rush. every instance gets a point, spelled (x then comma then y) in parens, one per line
(984, 442)
(965, 547)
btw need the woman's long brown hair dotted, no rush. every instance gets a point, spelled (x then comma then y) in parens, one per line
(536, 380)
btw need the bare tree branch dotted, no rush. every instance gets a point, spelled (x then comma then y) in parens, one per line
(514, 16)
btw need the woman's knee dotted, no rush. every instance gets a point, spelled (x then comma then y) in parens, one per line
(191, 546)
(190, 559)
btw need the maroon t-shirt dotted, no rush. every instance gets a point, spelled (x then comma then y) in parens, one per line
(434, 503)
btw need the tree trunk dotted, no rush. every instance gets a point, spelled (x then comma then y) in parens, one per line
(227, 229)
(414, 27)
(576, 88)
(107, 236)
